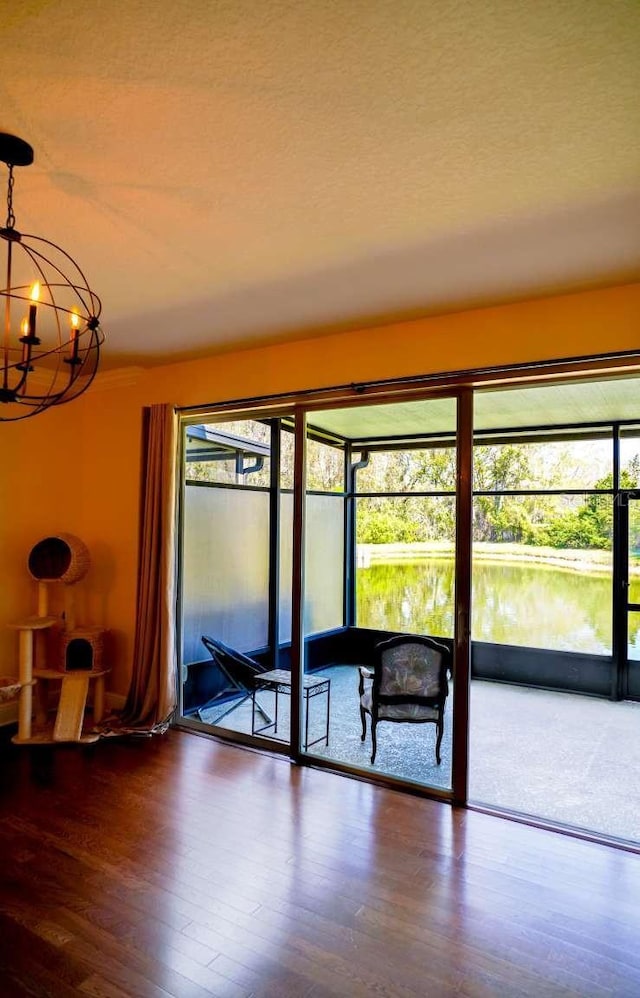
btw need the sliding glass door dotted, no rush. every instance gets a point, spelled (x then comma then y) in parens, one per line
(236, 575)
(322, 586)
(313, 537)
(379, 624)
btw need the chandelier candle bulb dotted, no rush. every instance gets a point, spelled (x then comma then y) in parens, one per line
(75, 322)
(33, 307)
(24, 328)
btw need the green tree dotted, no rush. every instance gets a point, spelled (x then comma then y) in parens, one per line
(497, 468)
(591, 525)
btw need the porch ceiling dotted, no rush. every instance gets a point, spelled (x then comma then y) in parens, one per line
(597, 401)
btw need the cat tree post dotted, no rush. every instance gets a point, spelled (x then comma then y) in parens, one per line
(25, 675)
(43, 599)
(26, 629)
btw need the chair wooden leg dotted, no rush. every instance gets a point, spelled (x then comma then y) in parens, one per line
(374, 745)
(440, 730)
(363, 718)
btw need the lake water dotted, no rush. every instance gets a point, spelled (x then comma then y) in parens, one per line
(536, 606)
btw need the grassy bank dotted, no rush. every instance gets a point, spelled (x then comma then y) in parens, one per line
(574, 560)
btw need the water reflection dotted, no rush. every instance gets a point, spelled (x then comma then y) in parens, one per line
(536, 606)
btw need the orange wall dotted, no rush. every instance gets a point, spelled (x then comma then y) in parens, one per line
(75, 469)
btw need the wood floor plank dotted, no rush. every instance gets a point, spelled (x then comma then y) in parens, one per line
(183, 867)
(47, 969)
(96, 987)
(129, 968)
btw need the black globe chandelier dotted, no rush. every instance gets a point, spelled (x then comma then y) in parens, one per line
(52, 335)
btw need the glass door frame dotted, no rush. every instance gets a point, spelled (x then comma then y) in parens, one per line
(462, 596)
(220, 414)
(463, 385)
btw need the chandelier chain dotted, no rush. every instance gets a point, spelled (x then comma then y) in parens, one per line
(11, 218)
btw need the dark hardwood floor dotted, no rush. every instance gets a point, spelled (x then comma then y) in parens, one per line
(181, 866)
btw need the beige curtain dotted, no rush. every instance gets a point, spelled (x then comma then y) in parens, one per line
(152, 695)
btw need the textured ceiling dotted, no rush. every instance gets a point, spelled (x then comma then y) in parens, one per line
(238, 169)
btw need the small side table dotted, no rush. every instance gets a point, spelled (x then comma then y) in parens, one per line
(279, 680)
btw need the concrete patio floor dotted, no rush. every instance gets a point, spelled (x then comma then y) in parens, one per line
(566, 758)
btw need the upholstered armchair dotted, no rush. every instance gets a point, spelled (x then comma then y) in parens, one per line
(408, 685)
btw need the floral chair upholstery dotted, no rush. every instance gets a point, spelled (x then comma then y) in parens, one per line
(408, 684)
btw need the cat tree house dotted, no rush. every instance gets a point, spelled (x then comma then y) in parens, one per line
(61, 560)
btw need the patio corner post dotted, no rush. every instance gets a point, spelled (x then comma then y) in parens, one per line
(462, 626)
